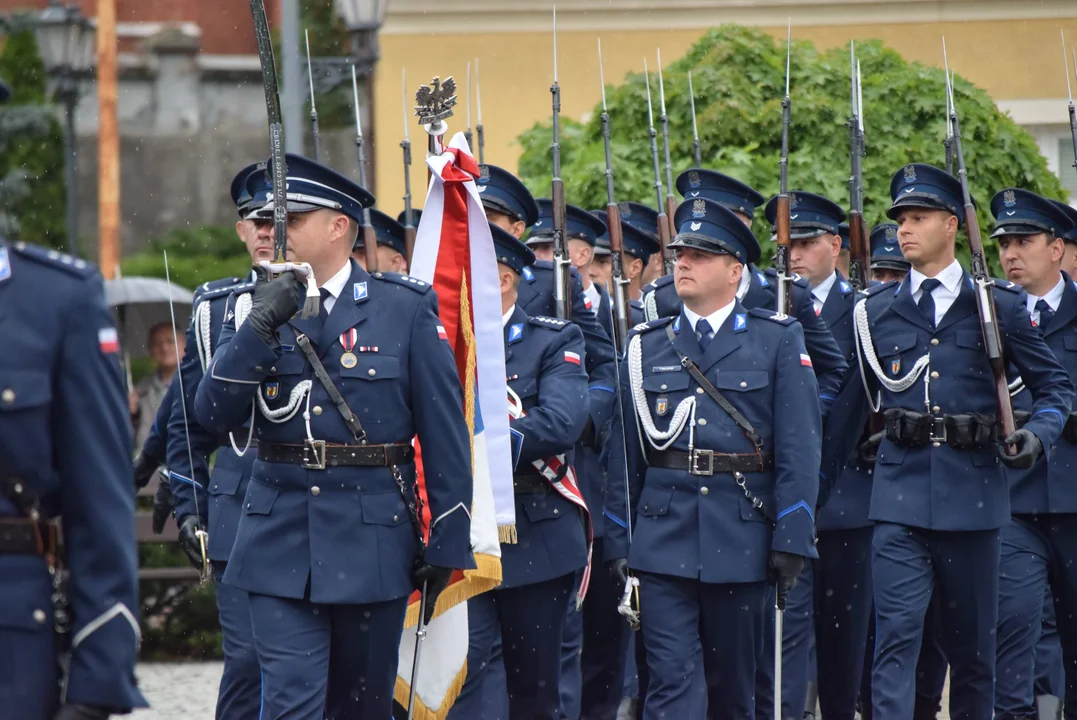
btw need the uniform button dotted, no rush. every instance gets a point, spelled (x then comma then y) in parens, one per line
(934, 341)
(935, 409)
(699, 391)
(663, 386)
(371, 372)
(40, 617)
(702, 421)
(704, 490)
(937, 444)
(317, 409)
(743, 384)
(934, 375)
(315, 490)
(8, 396)
(395, 518)
(273, 370)
(556, 511)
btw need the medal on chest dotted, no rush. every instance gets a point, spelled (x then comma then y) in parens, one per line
(347, 341)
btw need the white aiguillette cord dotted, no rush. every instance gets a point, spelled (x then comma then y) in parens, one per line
(303, 272)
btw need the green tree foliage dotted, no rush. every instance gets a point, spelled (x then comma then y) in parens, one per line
(195, 256)
(739, 78)
(32, 193)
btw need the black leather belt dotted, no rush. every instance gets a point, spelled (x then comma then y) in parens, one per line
(318, 455)
(708, 462)
(534, 483)
(19, 536)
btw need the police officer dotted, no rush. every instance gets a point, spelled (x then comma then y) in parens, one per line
(1069, 255)
(836, 589)
(218, 505)
(326, 547)
(758, 288)
(638, 246)
(547, 388)
(887, 261)
(1039, 544)
(390, 238)
(938, 498)
(69, 628)
(719, 503)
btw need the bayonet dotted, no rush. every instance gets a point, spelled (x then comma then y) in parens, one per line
(315, 135)
(781, 255)
(478, 108)
(695, 129)
(562, 276)
(405, 145)
(859, 254)
(665, 225)
(370, 240)
(671, 202)
(985, 298)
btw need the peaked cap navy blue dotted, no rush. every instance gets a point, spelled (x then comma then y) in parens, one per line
(843, 233)
(313, 186)
(727, 191)
(416, 215)
(503, 192)
(885, 249)
(634, 241)
(810, 215)
(387, 231)
(579, 224)
(1071, 213)
(510, 251)
(241, 191)
(711, 227)
(640, 216)
(925, 186)
(1020, 212)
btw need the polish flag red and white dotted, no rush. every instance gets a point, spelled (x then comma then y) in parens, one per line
(572, 357)
(109, 340)
(805, 360)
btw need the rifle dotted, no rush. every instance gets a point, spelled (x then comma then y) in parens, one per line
(671, 202)
(562, 276)
(370, 239)
(467, 131)
(985, 299)
(859, 255)
(315, 135)
(613, 220)
(695, 130)
(1069, 93)
(665, 226)
(478, 107)
(781, 255)
(405, 145)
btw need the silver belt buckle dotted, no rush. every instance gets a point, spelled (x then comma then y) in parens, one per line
(694, 462)
(936, 438)
(314, 455)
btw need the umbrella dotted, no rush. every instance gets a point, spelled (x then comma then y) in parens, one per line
(140, 303)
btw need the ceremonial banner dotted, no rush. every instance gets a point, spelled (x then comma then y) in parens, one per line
(454, 251)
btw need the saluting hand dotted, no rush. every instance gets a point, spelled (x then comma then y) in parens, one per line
(1029, 449)
(274, 303)
(782, 571)
(82, 712)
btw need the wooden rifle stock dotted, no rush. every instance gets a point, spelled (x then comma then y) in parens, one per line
(409, 242)
(664, 238)
(620, 296)
(781, 257)
(859, 255)
(671, 213)
(562, 274)
(370, 247)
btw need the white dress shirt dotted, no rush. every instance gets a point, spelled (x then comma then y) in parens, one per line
(821, 292)
(335, 286)
(745, 282)
(945, 294)
(507, 316)
(715, 319)
(591, 291)
(1053, 298)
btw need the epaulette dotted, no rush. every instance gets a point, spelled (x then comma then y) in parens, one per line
(652, 325)
(1007, 285)
(797, 280)
(219, 288)
(548, 322)
(773, 316)
(419, 286)
(54, 258)
(876, 289)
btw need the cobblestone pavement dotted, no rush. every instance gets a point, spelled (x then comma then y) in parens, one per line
(188, 691)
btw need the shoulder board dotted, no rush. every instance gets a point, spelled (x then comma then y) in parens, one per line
(797, 280)
(1002, 284)
(773, 316)
(54, 258)
(419, 286)
(549, 322)
(876, 289)
(653, 324)
(220, 288)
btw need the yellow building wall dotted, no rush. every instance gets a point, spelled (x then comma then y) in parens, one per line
(1012, 60)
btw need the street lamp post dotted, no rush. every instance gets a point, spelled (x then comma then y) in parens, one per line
(364, 18)
(65, 39)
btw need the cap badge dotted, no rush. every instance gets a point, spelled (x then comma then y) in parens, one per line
(693, 179)
(910, 174)
(699, 208)
(891, 233)
(625, 208)
(1008, 198)
(792, 200)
